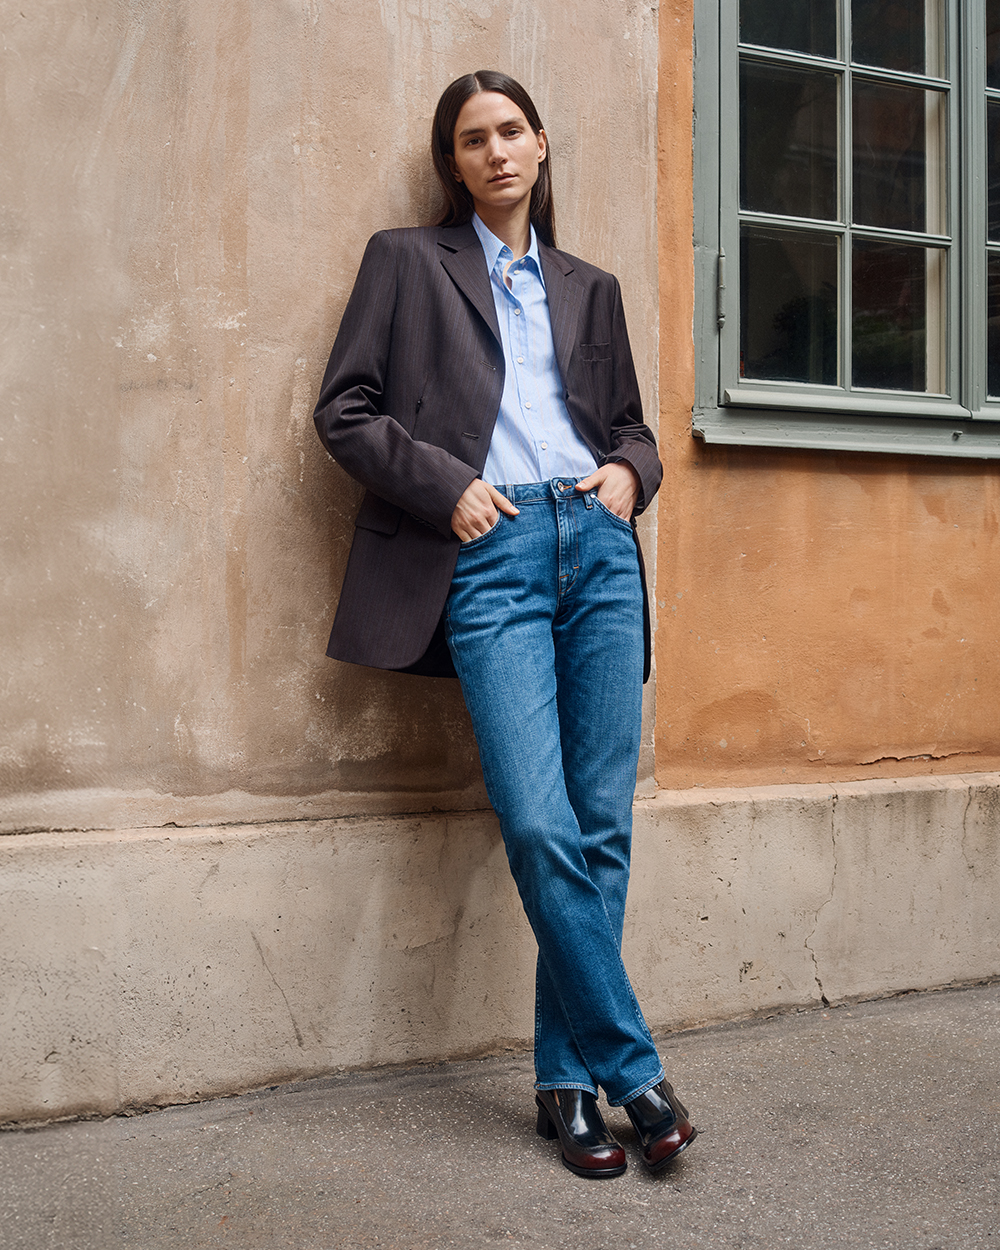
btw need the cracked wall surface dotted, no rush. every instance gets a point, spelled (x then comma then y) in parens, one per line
(239, 957)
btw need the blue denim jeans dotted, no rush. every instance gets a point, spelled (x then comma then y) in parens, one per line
(544, 623)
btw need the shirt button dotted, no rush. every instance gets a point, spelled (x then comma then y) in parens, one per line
(517, 312)
(544, 446)
(520, 360)
(527, 405)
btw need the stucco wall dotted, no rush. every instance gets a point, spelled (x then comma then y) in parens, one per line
(188, 189)
(820, 616)
(187, 192)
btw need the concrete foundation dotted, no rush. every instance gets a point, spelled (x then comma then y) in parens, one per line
(159, 966)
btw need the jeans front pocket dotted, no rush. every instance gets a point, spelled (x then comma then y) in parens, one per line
(618, 520)
(482, 538)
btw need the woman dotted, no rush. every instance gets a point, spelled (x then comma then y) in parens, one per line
(482, 388)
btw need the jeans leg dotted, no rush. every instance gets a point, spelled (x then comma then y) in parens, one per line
(598, 630)
(502, 629)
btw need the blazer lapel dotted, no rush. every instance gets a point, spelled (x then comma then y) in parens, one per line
(462, 256)
(565, 295)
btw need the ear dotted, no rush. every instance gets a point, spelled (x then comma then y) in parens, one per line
(453, 167)
(543, 146)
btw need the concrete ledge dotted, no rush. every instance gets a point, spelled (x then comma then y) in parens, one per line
(152, 967)
(784, 896)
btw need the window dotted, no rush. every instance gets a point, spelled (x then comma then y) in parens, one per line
(848, 224)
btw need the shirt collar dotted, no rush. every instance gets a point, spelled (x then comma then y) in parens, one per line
(493, 247)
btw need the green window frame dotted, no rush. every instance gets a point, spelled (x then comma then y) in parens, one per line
(844, 271)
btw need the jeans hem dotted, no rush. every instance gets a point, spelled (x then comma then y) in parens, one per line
(620, 1102)
(547, 1086)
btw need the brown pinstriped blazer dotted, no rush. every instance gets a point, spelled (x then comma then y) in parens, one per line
(407, 408)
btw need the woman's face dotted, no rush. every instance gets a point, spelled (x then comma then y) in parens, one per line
(497, 154)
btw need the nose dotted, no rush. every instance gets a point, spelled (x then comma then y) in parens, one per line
(495, 150)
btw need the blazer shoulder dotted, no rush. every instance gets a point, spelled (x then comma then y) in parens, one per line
(403, 238)
(422, 238)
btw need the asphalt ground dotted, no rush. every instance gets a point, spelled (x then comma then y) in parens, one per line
(869, 1125)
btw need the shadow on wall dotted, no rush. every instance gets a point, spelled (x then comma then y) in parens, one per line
(375, 731)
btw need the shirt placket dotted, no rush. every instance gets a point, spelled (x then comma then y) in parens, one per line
(527, 400)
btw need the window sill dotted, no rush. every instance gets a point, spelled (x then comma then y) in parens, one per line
(761, 427)
(869, 404)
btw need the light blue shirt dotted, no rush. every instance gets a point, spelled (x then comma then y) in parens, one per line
(534, 438)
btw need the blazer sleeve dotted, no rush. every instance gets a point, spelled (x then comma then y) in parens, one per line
(631, 439)
(372, 446)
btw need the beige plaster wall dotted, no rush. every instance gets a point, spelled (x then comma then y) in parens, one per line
(822, 616)
(243, 956)
(188, 188)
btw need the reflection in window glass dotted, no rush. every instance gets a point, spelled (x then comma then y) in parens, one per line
(881, 171)
(993, 169)
(788, 296)
(890, 34)
(993, 43)
(993, 326)
(798, 25)
(893, 129)
(788, 141)
(898, 321)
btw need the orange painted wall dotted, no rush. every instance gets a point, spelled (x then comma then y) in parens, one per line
(820, 617)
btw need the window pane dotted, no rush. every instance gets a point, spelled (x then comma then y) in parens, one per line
(898, 318)
(993, 326)
(788, 141)
(889, 33)
(993, 43)
(993, 169)
(800, 25)
(898, 157)
(788, 305)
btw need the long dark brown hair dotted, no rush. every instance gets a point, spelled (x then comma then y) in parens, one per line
(458, 207)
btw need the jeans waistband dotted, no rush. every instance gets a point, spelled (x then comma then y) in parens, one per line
(543, 492)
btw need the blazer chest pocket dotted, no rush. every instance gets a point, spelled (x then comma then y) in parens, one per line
(378, 515)
(593, 353)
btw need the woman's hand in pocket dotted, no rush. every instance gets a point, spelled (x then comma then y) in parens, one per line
(476, 512)
(617, 487)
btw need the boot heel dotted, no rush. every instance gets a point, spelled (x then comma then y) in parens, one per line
(545, 1128)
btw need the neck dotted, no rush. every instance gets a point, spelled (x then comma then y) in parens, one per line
(511, 225)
